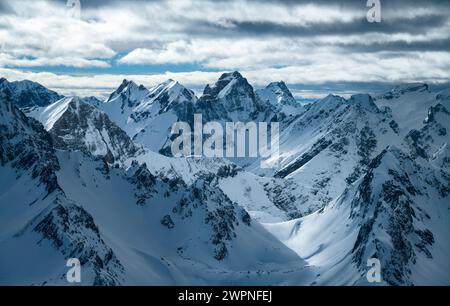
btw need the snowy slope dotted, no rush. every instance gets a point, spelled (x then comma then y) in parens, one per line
(328, 147)
(390, 214)
(167, 232)
(126, 227)
(357, 178)
(39, 227)
(409, 104)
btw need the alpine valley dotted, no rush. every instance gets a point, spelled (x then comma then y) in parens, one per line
(358, 178)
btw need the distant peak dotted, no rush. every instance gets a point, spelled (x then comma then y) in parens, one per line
(279, 84)
(123, 85)
(274, 86)
(410, 87)
(332, 97)
(230, 75)
(127, 85)
(128, 90)
(230, 79)
(169, 83)
(363, 100)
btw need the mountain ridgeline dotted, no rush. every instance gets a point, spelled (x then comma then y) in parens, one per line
(356, 179)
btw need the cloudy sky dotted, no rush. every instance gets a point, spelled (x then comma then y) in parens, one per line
(317, 47)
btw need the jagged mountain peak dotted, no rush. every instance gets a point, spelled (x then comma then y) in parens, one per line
(410, 87)
(77, 125)
(330, 102)
(232, 98)
(364, 101)
(174, 90)
(277, 92)
(433, 138)
(404, 89)
(330, 99)
(280, 97)
(147, 115)
(225, 83)
(279, 84)
(228, 76)
(127, 84)
(26, 94)
(129, 92)
(169, 82)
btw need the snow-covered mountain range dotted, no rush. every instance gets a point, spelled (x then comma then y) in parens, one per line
(358, 178)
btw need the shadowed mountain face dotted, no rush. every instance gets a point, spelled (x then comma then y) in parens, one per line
(359, 178)
(26, 94)
(232, 98)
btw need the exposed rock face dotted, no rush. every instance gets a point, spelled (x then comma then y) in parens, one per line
(73, 232)
(26, 94)
(232, 98)
(26, 145)
(76, 125)
(389, 203)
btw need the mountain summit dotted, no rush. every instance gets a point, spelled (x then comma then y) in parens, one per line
(26, 94)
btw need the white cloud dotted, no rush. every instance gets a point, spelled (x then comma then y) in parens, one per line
(8, 60)
(86, 85)
(420, 67)
(40, 34)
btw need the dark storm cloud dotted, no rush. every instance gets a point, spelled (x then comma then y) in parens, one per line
(4, 8)
(418, 25)
(431, 45)
(96, 4)
(356, 4)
